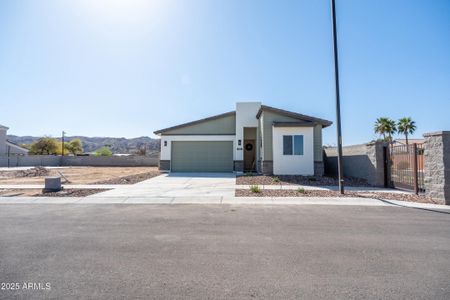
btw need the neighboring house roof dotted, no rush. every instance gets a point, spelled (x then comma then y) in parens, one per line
(14, 145)
(3, 127)
(324, 123)
(195, 122)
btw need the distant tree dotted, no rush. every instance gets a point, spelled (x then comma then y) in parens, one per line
(386, 127)
(103, 151)
(406, 126)
(74, 146)
(45, 145)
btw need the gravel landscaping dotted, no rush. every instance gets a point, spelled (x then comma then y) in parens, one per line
(38, 192)
(321, 193)
(296, 180)
(72, 193)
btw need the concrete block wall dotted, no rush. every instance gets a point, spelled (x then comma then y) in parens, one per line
(111, 161)
(30, 160)
(365, 161)
(437, 166)
(53, 161)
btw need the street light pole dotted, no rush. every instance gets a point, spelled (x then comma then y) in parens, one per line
(338, 101)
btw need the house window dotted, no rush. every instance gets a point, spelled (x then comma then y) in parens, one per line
(287, 144)
(292, 144)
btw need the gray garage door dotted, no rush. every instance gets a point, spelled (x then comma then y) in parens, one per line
(205, 156)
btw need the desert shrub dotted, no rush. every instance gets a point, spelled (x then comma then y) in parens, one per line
(103, 151)
(301, 190)
(276, 179)
(255, 189)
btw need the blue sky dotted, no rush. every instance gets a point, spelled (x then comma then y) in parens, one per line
(127, 68)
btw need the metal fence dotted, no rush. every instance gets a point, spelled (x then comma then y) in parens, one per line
(407, 167)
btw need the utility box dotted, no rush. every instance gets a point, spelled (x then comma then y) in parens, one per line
(52, 184)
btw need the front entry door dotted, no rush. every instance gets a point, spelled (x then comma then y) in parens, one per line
(249, 156)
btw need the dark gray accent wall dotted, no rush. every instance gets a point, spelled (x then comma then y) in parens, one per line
(164, 165)
(238, 166)
(267, 167)
(319, 168)
(318, 151)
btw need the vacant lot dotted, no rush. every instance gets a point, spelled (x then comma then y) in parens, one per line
(84, 175)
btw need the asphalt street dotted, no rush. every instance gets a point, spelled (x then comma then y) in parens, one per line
(223, 252)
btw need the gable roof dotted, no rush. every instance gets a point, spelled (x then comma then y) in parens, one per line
(14, 145)
(230, 113)
(324, 123)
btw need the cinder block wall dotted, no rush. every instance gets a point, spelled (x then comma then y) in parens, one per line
(30, 160)
(437, 166)
(53, 160)
(363, 161)
(111, 161)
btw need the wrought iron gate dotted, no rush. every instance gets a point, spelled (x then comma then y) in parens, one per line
(407, 167)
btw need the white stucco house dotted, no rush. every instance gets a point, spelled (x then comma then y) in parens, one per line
(252, 138)
(7, 147)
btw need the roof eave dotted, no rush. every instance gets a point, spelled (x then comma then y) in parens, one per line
(324, 123)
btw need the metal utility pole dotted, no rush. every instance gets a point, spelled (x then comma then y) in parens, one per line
(62, 142)
(338, 100)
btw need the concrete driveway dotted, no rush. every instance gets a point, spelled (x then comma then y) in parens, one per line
(204, 185)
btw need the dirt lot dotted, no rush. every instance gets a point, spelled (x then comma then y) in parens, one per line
(84, 175)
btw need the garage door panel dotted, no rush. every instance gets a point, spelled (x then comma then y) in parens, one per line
(202, 156)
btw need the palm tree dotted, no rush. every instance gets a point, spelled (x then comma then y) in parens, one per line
(385, 126)
(406, 126)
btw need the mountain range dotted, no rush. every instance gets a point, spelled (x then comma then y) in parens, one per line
(90, 144)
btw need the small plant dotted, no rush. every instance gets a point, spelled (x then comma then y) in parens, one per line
(276, 179)
(248, 174)
(301, 190)
(255, 189)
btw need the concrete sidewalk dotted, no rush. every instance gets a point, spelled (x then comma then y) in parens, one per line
(341, 201)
